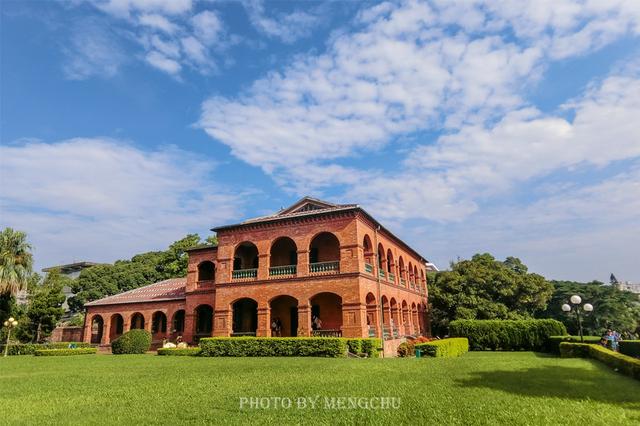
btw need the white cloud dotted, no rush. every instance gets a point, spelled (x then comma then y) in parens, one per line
(100, 199)
(288, 27)
(159, 22)
(207, 26)
(124, 8)
(91, 52)
(163, 63)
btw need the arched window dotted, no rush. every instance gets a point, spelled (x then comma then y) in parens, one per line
(206, 271)
(245, 261)
(137, 321)
(158, 323)
(283, 259)
(324, 253)
(204, 320)
(381, 257)
(389, 261)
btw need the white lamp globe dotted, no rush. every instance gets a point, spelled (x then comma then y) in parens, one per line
(14, 323)
(11, 319)
(6, 323)
(575, 299)
(566, 307)
(588, 307)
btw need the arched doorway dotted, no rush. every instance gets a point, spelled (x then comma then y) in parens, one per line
(137, 321)
(204, 321)
(405, 318)
(97, 328)
(245, 317)
(395, 318)
(367, 248)
(284, 312)
(283, 259)
(245, 261)
(327, 308)
(117, 327)
(324, 253)
(386, 316)
(177, 323)
(206, 271)
(159, 323)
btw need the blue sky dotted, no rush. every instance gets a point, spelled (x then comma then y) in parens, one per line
(464, 126)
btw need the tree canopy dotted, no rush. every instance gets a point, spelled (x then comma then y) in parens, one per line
(486, 288)
(100, 281)
(612, 308)
(16, 261)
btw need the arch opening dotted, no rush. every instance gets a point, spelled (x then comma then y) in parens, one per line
(326, 315)
(284, 317)
(245, 317)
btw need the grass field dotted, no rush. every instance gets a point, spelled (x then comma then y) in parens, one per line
(478, 388)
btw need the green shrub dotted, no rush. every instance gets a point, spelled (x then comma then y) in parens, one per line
(354, 346)
(553, 342)
(179, 351)
(408, 348)
(65, 352)
(371, 347)
(507, 335)
(620, 362)
(30, 348)
(630, 348)
(274, 346)
(445, 348)
(574, 350)
(132, 342)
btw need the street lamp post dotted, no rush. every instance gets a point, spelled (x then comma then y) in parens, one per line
(575, 301)
(9, 324)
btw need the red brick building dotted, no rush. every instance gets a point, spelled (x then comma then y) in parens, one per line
(312, 260)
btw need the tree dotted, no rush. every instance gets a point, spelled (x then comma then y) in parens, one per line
(485, 288)
(45, 304)
(16, 261)
(612, 308)
(142, 269)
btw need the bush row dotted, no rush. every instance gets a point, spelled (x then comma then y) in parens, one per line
(455, 346)
(274, 346)
(507, 335)
(369, 347)
(65, 352)
(553, 342)
(623, 363)
(132, 342)
(30, 348)
(408, 348)
(630, 348)
(179, 351)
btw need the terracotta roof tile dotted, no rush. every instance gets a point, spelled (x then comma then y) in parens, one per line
(171, 289)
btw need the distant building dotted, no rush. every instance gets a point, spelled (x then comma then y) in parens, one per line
(628, 286)
(71, 270)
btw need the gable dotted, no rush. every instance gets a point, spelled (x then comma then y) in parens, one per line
(307, 204)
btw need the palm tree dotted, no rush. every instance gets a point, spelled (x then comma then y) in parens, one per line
(15, 261)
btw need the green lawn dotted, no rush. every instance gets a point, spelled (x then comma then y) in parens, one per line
(478, 388)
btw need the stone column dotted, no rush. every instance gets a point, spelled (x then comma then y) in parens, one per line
(263, 266)
(354, 320)
(222, 323)
(106, 331)
(303, 263)
(264, 321)
(304, 320)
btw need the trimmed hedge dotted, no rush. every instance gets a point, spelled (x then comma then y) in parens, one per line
(132, 342)
(65, 352)
(507, 335)
(365, 347)
(179, 351)
(622, 363)
(30, 348)
(630, 348)
(553, 342)
(455, 346)
(274, 346)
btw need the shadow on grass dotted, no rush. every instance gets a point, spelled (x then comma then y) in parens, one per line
(560, 382)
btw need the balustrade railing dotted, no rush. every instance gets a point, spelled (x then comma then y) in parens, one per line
(392, 277)
(243, 274)
(333, 266)
(403, 282)
(326, 333)
(283, 270)
(382, 274)
(368, 268)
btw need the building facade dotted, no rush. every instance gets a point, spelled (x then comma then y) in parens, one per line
(313, 269)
